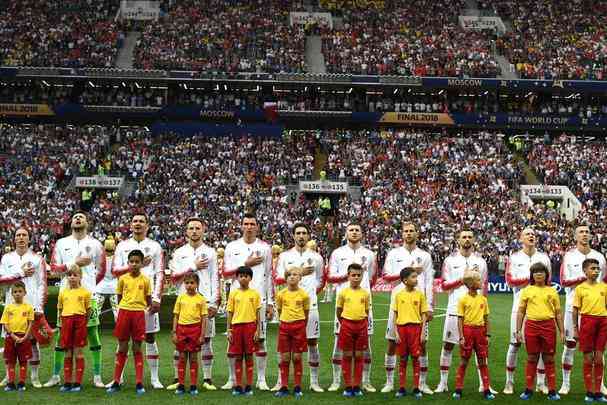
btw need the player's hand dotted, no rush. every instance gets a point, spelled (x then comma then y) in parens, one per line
(307, 271)
(576, 334)
(147, 260)
(518, 336)
(229, 335)
(396, 337)
(27, 269)
(462, 341)
(422, 338)
(174, 337)
(211, 312)
(155, 307)
(253, 260)
(256, 336)
(563, 340)
(38, 315)
(201, 264)
(429, 316)
(269, 312)
(201, 338)
(82, 261)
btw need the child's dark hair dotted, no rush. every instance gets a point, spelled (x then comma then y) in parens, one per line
(245, 271)
(539, 268)
(355, 266)
(406, 272)
(586, 263)
(192, 277)
(20, 284)
(136, 253)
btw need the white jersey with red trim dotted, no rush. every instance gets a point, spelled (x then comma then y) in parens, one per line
(342, 257)
(236, 254)
(154, 271)
(399, 258)
(183, 263)
(454, 267)
(35, 286)
(308, 258)
(517, 272)
(572, 273)
(66, 251)
(109, 283)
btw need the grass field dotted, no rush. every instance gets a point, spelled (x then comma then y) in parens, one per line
(500, 317)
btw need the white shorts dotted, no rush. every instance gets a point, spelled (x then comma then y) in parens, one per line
(262, 320)
(369, 326)
(313, 326)
(152, 322)
(568, 324)
(513, 328)
(451, 330)
(210, 330)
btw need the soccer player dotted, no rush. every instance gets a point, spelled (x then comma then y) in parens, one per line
(312, 278)
(106, 289)
(540, 308)
(86, 252)
(293, 306)
(409, 313)
(341, 258)
(74, 307)
(17, 319)
(244, 325)
(352, 311)
(473, 326)
(572, 275)
(153, 269)
(195, 257)
(408, 255)
(256, 254)
(189, 325)
(517, 277)
(590, 300)
(134, 298)
(22, 264)
(454, 267)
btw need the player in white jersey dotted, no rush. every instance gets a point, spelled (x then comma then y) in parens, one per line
(24, 265)
(408, 255)
(197, 257)
(518, 277)
(572, 274)
(87, 252)
(352, 252)
(254, 253)
(154, 270)
(312, 278)
(454, 268)
(106, 289)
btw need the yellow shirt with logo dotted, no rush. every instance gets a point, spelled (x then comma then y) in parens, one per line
(74, 301)
(355, 303)
(409, 306)
(542, 302)
(244, 304)
(591, 299)
(190, 309)
(134, 291)
(16, 317)
(473, 309)
(292, 304)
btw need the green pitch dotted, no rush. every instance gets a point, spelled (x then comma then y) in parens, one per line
(500, 319)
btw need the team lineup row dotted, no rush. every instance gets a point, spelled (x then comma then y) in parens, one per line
(89, 256)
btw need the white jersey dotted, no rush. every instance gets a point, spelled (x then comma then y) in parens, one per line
(66, 251)
(572, 273)
(342, 257)
(154, 271)
(183, 263)
(399, 258)
(35, 285)
(293, 258)
(517, 272)
(454, 267)
(109, 283)
(237, 252)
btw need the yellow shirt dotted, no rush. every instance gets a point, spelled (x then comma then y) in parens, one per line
(16, 317)
(292, 304)
(134, 291)
(542, 302)
(473, 309)
(590, 299)
(190, 308)
(74, 301)
(409, 306)
(355, 303)
(244, 304)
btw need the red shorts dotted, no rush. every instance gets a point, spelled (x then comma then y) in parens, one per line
(593, 333)
(292, 337)
(188, 338)
(353, 335)
(14, 351)
(130, 325)
(540, 336)
(73, 331)
(475, 339)
(410, 340)
(243, 338)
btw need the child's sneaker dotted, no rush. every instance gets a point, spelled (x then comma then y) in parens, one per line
(488, 395)
(237, 391)
(76, 388)
(297, 392)
(553, 396)
(348, 392)
(457, 394)
(526, 395)
(357, 392)
(589, 398)
(598, 397)
(139, 390)
(248, 391)
(67, 387)
(180, 390)
(194, 390)
(114, 388)
(10, 387)
(401, 393)
(282, 392)
(417, 393)
(21, 386)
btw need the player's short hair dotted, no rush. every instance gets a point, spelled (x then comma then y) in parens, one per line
(244, 271)
(355, 267)
(293, 269)
(24, 228)
(539, 268)
(249, 215)
(136, 253)
(409, 223)
(74, 269)
(76, 212)
(406, 272)
(587, 262)
(355, 223)
(140, 213)
(463, 229)
(19, 284)
(192, 277)
(300, 225)
(194, 219)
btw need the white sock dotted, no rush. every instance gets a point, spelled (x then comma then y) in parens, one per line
(541, 372)
(231, 368)
(151, 352)
(262, 361)
(34, 361)
(567, 361)
(337, 356)
(390, 364)
(445, 363)
(176, 363)
(423, 369)
(278, 378)
(367, 366)
(511, 358)
(480, 379)
(206, 359)
(314, 363)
